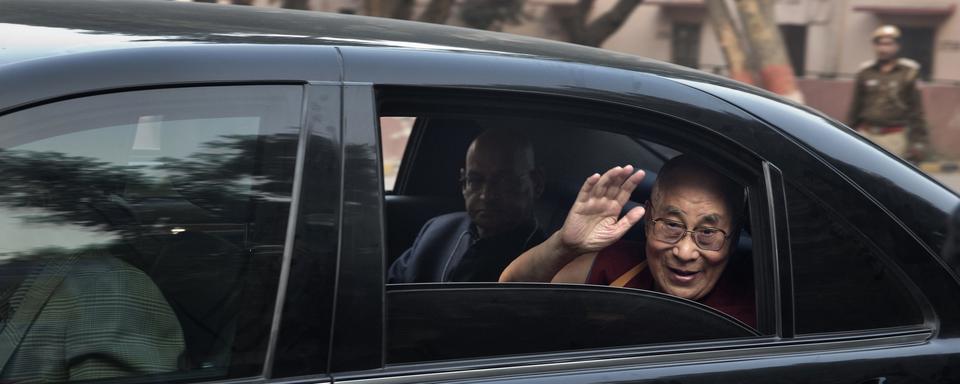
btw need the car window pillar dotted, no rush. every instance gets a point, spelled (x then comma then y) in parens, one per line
(302, 341)
(357, 341)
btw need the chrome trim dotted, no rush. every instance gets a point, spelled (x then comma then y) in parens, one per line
(781, 349)
(775, 249)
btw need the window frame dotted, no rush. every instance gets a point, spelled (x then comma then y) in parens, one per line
(758, 203)
(914, 293)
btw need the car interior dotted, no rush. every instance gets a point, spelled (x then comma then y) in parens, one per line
(569, 145)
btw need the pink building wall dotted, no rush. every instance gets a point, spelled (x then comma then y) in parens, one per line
(941, 102)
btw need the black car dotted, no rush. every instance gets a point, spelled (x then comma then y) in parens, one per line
(192, 192)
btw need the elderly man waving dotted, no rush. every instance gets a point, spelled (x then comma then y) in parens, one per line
(690, 225)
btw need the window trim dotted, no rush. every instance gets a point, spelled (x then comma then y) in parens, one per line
(679, 139)
(651, 357)
(930, 320)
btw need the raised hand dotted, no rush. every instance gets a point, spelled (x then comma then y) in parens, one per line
(593, 222)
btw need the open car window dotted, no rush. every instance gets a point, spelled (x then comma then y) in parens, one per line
(442, 312)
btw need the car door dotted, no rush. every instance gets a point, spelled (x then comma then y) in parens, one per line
(146, 232)
(904, 345)
(435, 347)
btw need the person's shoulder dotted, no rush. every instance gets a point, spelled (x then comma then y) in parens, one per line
(615, 260)
(622, 252)
(104, 270)
(909, 63)
(864, 66)
(445, 225)
(911, 67)
(452, 218)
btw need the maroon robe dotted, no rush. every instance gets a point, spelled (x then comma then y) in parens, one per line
(733, 294)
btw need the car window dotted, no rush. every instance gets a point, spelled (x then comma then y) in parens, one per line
(510, 319)
(394, 134)
(436, 255)
(142, 232)
(842, 282)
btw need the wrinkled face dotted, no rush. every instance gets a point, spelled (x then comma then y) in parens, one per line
(498, 190)
(886, 48)
(683, 269)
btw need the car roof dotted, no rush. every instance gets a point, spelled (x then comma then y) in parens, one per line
(43, 28)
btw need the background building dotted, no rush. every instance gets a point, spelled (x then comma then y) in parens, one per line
(826, 40)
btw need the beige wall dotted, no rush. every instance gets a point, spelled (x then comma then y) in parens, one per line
(946, 59)
(838, 37)
(646, 32)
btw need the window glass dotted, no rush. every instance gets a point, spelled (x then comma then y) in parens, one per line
(841, 281)
(394, 133)
(685, 45)
(141, 233)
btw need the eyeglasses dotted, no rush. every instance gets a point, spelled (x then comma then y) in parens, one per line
(706, 238)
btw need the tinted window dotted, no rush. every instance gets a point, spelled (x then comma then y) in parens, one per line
(841, 281)
(496, 320)
(142, 232)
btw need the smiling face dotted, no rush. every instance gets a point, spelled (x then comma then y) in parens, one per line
(695, 199)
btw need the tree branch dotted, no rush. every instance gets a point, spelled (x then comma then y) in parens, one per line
(437, 12)
(607, 24)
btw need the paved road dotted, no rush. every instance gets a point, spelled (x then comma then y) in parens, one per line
(951, 180)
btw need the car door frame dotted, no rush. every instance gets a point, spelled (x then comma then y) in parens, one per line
(316, 69)
(407, 70)
(442, 69)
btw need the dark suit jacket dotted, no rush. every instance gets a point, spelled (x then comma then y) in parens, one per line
(81, 318)
(448, 249)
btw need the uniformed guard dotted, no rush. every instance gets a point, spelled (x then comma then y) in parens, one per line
(887, 107)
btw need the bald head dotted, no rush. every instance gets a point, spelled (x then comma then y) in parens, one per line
(685, 173)
(500, 181)
(502, 144)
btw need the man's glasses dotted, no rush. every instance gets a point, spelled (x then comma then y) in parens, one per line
(706, 238)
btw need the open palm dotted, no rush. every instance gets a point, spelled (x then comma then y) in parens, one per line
(593, 222)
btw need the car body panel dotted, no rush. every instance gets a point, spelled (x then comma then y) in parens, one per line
(342, 60)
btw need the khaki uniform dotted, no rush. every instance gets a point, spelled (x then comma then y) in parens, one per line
(887, 108)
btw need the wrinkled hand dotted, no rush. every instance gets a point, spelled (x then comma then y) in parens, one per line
(592, 223)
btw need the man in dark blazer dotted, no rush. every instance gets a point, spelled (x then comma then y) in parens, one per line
(500, 184)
